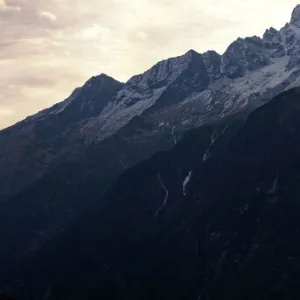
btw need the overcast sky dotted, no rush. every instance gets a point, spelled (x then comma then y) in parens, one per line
(49, 47)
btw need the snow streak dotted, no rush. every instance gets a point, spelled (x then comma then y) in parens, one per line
(166, 196)
(185, 182)
(213, 138)
(173, 134)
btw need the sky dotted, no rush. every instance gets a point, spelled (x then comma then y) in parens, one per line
(50, 47)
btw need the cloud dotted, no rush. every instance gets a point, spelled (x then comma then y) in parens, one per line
(6, 7)
(48, 48)
(6, 112)
(48, 15)
(94, 31)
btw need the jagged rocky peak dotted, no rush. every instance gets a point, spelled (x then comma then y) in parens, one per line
(101, 81)
(94, 95)
(272, 40)
(244, 55)
(85, 101)
(191, 54)
(96, 88)
(270, 34)
(212, 61)
(166, 71)
(253, 40)
(211, 54)
(295, 19)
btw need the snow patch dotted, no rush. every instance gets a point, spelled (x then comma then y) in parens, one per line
(206, 156)
(213, 139)
(173, 134)
(118, 113)
(164, 203)
(185, 182)
(274, 189)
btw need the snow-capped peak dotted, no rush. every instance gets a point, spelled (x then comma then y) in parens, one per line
(100, 80)
(295, 20)
(244, 55)
(86, 101)
(184, 92)
(166, 71)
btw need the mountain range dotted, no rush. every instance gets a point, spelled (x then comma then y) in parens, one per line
(178, 226)
(171, 98)
(179, 183)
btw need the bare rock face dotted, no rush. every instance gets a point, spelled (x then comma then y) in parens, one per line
(244, 55)
(33, 146)
(273, 41)
(295, 19)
